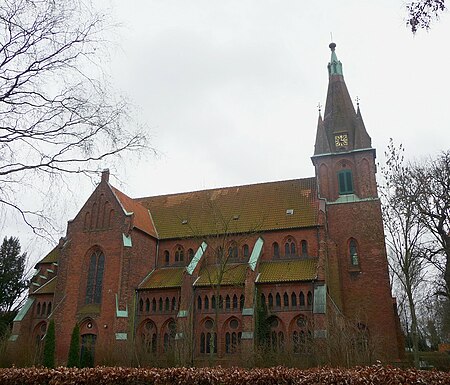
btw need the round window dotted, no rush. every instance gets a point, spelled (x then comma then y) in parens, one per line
(43, 327)
(301, 321)
(234, 324)
(149, 325)
(209, 324)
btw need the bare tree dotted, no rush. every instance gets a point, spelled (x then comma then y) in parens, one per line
(58, 115)
(405, 234)
(422, 13)
(431, 180)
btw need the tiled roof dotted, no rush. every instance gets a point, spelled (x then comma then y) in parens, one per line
(51, 257)
(142, 219)
(250, 208)
(48, 288)
(163, 278)
(287, 271)
(233, 274)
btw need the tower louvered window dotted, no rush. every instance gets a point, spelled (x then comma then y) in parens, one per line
(345, 181)
(95, 278)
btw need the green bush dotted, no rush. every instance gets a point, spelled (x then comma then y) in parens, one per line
(73, 360)
(49, 346)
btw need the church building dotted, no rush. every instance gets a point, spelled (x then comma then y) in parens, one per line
(291, 272)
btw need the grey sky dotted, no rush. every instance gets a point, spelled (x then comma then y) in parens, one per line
(229, 89)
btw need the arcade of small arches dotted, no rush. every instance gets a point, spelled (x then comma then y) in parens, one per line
(155, 304)
(43, 308)
(289, 302)
(229, 303)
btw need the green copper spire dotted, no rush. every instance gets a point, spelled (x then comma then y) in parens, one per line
(334, 66)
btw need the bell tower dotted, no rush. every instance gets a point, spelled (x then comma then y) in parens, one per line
(356, 268)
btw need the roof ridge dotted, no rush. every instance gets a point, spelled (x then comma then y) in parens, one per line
(223, 187)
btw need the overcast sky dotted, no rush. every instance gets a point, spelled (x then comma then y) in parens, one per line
(229, 89)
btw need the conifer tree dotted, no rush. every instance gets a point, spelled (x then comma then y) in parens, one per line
(49, 346)
(74, 349)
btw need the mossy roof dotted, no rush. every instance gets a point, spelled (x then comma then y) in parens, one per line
(142, 219)
(51, 257)
(48, 288)
(240, 209)
(288, 271)
(233, 274)
(163, 278)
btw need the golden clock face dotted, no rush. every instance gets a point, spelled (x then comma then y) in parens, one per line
(341, 140)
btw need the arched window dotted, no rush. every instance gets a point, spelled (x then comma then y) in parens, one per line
(241, 301)
(246, 251)
(148, 337)
(44, 308)
(270, 298)
(174, 304)
(141, 305)
(213, 302)
(263, 299)
(206, 302)
(38, 309)
(199, 303)
(220, 302)
(202, 343)
(289, 248)
(190, 254)
(345, 182)
(169, 336)
(233, 251)
(235, 302)
(147, 305)
(285, 300)
(276, 249)
(160, 307)
(293, 299)
(167, 304)
(309, 298)
(227, 302)
(278, 300)
(166, 257)
(353, 251)
(153, 305)
(95, 278)
(304, 248)
(49, 308)
(179, 254)
(208, 339)
(302, 299)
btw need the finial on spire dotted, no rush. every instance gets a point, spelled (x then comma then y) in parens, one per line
(357, 101)
(319, 106)
(334, 66)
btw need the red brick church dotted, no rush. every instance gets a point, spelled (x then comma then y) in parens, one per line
(294, 269)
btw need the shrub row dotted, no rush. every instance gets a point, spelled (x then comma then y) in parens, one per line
(376, 374)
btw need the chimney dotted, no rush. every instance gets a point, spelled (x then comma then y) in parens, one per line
(105, 175)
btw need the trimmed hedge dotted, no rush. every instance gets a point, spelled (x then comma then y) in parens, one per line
(376, 374)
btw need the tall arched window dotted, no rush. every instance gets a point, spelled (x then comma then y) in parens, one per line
(166, 257)
(153, 305)
(289, 248)
(304, 248)
(302, 299)
(147, 305)
(199, 303)
(276, 249)
(148, 337)
(235, 302)
(160, 304)
(95, 278)
(227, 302)
(345, 181)
(278, 300)
(167, 304)
(206, 302)
(179, 254)
(44, 308)
(141, 305)
(293, 299)
(286, 300)
(49, 308)
(309, 298)
(233, 251)
(353, 251)
(246, 251)
(241, 301)
(270, 299)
